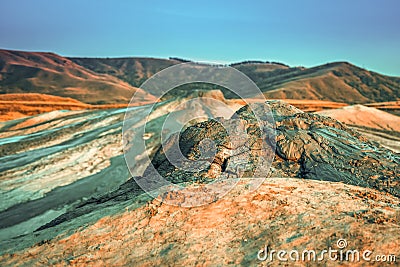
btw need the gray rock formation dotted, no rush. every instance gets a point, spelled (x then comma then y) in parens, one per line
(308, 146)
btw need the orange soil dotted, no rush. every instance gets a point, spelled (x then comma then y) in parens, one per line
(15, 106)
(285, 213)
(393, 105)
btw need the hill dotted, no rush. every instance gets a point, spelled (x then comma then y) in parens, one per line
(337, 82)
(114, 80)
(131, 69)
(48, 73)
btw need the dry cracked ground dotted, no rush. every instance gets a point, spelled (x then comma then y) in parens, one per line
(67, 197)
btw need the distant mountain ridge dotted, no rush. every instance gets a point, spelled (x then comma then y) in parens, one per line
(114, 80)
(337, 81)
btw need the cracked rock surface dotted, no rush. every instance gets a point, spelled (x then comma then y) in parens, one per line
(308, 146)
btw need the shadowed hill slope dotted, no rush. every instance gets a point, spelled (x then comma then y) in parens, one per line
(338, 81)
(131, 69)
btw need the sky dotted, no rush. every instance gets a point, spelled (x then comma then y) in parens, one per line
(299, 33)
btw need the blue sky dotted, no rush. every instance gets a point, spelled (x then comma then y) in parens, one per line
(305, 33)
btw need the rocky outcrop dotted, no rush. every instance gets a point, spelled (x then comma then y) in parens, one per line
(308, 146)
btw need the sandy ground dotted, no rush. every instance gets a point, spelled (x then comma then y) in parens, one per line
(16, 106)
(283, 213)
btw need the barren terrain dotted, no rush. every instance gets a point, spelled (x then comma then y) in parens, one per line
(324, 161)
(68, 198)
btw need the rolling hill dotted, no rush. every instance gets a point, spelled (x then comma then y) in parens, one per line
(337, 82)
(114, 80)
(131, 70)
(48, 73)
